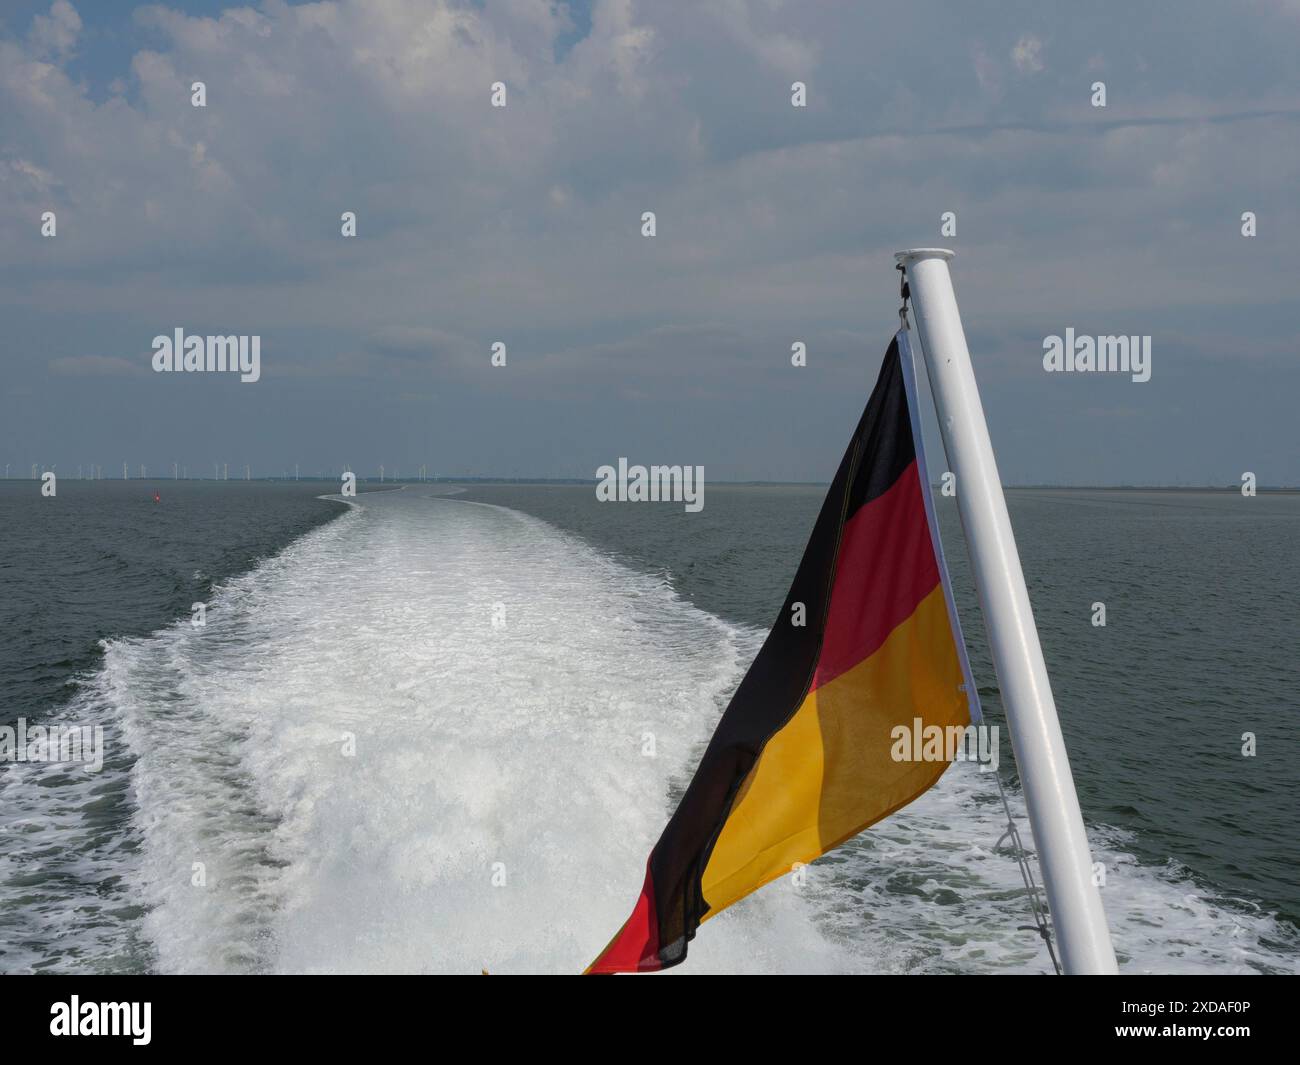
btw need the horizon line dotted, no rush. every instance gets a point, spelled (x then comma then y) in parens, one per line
(582, 482)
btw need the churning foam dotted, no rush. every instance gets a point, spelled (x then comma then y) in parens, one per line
(498, 808)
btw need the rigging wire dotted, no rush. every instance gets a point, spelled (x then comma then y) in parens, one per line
(1042, 922)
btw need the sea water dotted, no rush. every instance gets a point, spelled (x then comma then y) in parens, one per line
(441, 733)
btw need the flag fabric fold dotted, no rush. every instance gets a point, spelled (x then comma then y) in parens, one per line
(803, 757)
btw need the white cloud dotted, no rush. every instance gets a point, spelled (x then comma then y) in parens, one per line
(55, 34)
(987, 71)
(1027, 54)
(522, 224)
(775, 48)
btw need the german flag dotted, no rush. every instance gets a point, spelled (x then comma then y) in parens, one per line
(801, 760)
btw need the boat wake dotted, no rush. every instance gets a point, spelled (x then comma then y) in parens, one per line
(438, 736)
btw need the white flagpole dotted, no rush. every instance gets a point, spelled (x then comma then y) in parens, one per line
(1078, 919)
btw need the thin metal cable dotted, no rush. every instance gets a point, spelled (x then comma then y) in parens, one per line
(1042, 924)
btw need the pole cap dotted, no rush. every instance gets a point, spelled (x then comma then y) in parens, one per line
(914, 254)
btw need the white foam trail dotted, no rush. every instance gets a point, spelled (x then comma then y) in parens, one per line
(519, 745)
(479, 750)
(924, 891)
(65, 841)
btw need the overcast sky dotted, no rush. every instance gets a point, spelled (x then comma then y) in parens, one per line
(523, 225)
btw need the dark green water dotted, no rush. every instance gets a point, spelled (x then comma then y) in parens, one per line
(101, 558)
(222, 742)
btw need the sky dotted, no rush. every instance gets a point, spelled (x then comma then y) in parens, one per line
(522, 225)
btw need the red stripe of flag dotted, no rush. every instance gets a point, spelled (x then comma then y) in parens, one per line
(868, 600)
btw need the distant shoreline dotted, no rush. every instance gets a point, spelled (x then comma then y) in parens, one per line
(822, 484)
(372, 484)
